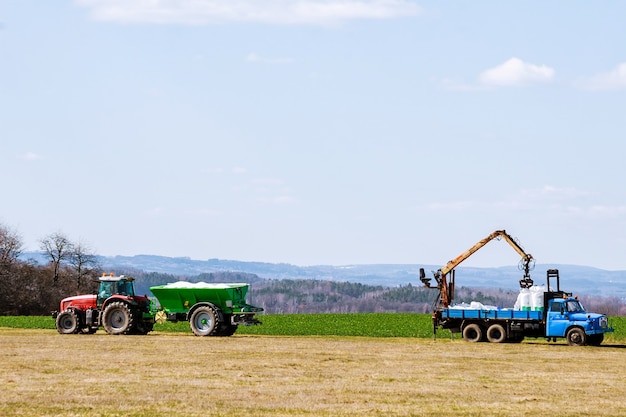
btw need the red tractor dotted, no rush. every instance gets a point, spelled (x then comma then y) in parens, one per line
(115, 307)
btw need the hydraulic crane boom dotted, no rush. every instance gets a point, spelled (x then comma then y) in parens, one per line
(445, 275)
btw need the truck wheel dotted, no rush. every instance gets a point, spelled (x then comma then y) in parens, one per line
(117, 318)
(67, 322)
(595, 339)
(576, 337)
(472, 333)
(203, 321)
(496, 333)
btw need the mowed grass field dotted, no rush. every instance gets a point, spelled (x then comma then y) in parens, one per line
(173, 373)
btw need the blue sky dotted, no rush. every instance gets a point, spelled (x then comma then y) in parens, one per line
(317, 132)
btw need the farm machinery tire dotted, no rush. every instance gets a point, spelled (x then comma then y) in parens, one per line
(496, 333)
(204, 321)
(68, 322)
(143, 327)
(472, 333)
(118, 318)
(576, 337)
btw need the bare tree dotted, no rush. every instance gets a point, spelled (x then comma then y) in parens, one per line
(84, 262)
(58, 247)
(10, 246)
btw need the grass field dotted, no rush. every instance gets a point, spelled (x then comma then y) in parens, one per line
(172, 372)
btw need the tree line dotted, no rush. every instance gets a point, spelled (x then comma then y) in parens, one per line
(28, 288)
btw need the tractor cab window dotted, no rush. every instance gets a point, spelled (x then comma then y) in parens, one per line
(125, 288)
(106, 290)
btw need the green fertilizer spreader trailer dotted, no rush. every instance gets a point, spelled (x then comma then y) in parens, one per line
(212, 309)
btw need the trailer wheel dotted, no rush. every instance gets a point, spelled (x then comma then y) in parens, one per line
(67, 322)
(204, 321)
(472, 333)
(576, 337)
(117, 318)
(496, 333)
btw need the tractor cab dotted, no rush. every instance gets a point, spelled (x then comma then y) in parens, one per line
(114, 285)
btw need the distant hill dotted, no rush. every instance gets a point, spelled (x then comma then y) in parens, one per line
(582, 280)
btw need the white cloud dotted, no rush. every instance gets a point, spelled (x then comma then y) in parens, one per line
(612, 80)
(516, 72)
(31, 156)
(269, 12)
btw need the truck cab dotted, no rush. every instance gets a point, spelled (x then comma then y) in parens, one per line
(566, 317)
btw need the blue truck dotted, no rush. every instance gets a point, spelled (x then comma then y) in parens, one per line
(561, 316)
(556, 314)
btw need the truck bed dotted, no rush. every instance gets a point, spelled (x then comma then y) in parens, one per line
(454, 313)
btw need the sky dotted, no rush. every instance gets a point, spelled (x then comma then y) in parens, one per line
(317, 132)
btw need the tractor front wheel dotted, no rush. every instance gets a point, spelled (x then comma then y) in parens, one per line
(118, 318)
(67, 322)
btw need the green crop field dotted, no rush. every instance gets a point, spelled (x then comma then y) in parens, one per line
(361, 324)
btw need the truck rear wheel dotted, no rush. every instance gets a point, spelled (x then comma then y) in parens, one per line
(472, 333)
(117, 318)
(496, 333)
(576, 337)
(67, 322)
(204, 321)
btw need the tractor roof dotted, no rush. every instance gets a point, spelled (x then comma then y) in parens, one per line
(116, 278)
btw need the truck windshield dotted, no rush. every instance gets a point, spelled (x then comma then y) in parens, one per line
(574, 306)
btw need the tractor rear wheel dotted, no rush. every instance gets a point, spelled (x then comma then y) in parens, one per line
(204, 321)
(67, 322)
(118, 318)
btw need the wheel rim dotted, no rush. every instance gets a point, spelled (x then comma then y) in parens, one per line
(118, 319)
(203, 322)
(67, 323)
